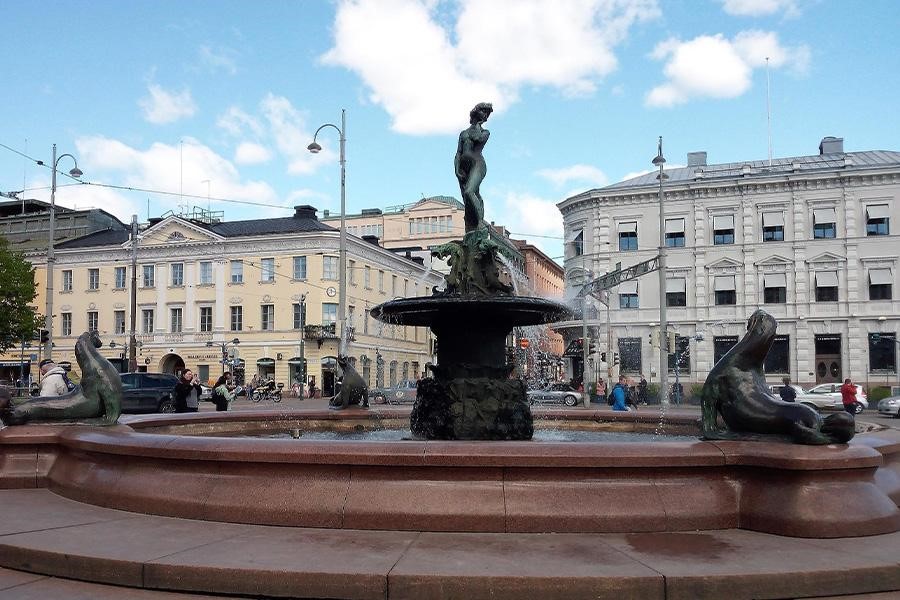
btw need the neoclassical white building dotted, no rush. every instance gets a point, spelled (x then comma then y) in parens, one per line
(811, 239)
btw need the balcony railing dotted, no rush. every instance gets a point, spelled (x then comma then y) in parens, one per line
(320, 332)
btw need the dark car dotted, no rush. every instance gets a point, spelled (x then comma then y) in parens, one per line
(148, 392)
(402, 393)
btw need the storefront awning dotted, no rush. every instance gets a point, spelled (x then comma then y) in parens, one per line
(880, 277)
(296, 360)
(265, 362)
(824, 215)
(14, 363)
(877, 211)
(826, 279)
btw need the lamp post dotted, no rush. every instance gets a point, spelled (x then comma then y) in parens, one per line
(224, 347)
(659, 161)
(48, 317)
(585, 344)
(342, 248)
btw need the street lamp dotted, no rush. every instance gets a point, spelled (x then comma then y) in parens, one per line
(315, 148)
(48, 317)
(659, 161)
(585, 344)
(224, 347)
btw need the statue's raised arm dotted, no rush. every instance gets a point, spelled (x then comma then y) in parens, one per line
(470, 166)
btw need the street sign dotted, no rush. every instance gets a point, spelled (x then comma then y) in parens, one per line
(34, 357)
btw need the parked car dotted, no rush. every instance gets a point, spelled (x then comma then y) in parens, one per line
(890, 406)
(402, 393)
(776, 390)
(556, 393)
(827, 396)
(148, 392)
(205, 393)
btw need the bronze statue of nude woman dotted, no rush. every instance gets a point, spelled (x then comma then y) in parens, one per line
(470, 166)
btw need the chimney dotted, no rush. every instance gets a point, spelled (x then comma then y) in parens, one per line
(831, 145)
(306, 211)
(696, 159)
(372, 239)
(325, 213)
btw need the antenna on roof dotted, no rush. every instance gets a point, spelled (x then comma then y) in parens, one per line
(768, 113)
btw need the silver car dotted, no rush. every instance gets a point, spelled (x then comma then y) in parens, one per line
(556, 393)
(890, 406)
(827, 396)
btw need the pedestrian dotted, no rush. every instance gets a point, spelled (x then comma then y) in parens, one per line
(187, 393)
(620, 394)
(642, 391)
(848, 396)
(312, 387)
(223, 393)
(787, 391)
(53, 379)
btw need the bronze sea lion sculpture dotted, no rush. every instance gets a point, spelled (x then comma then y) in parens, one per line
(353, 389)
(736, 390)
(97, 401)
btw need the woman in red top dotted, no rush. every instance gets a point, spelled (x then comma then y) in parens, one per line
(848, 396)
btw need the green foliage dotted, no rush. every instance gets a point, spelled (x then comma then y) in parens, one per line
(652, 393)
(17, 291)
(695, 390)
(878, 393)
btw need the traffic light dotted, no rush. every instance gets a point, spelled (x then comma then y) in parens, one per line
(670, 341)
(615, 358)
(654, 337)
(524, 343)
(603, 357)
(592, 347)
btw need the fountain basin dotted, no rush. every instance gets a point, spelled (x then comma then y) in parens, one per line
(474, 311)
(461, 486)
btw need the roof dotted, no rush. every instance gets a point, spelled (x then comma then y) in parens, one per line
(13, 208)
(779, 166)
(268, 226)
(104, 237)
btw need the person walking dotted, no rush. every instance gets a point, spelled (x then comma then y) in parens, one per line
(848, 396)
(53, 379)
(642, 391)
(787, 391)
(187, 393)
(223, 392)
(620, 394)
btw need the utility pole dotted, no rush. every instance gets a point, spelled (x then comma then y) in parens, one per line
(659, 161)
(585, 346)
(132, 340)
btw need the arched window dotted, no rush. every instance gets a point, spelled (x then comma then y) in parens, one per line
(393, 374)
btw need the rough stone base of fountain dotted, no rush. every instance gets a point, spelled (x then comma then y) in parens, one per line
(472, 408)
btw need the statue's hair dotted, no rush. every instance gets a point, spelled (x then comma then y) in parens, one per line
(478, 108)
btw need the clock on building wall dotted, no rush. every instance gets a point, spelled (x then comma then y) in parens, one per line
(331, 292)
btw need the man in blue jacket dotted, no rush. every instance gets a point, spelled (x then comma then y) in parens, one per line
(620, 394)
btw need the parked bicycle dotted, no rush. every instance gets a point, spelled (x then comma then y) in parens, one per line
(268, 390)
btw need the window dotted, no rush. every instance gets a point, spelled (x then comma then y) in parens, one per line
(880, 283)
(119, 322)
(883, 352)
(176, 275)
(366, 321)
(878, 220)
(406, 288)
(773, 227)
(329, 267)
(393, 373)
(577, 240)
(237, 271)
(93, 279)
(237, 318)
(824, 223)
(676, 292)
(682, 355)
(674, 233)
(721, 345)
(351, 272)
(299, 271)
(415, 364)
(725, 290)
(93, 320)
(329, 313)
(775, 288)
(67, 281)
(628, 239)
(203, 372)
(147, 320)
(267, 317)
(206, 273)
(778, 358)
(405, 370)
(299, 315)
(206, 318)
(629, 355)
(381, 281)
(267, 270)
(367, 278)
(149, 279)
(393, 286)
(826, 286)
(175, 320)
(66, 323)
(628, 295)
(120, 277)
(723, 229)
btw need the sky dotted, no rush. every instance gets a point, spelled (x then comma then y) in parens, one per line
(162, 100)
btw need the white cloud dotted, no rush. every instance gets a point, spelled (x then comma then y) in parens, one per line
(219, 59)
(711, 66)
(162, 107)
(527, 216)
(250, 153)
(427, 75)
(585, 173)
(759, 8)
(236, 122)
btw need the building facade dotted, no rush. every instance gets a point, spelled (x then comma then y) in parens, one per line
(26, 223)
(262, 294)
(808, 239)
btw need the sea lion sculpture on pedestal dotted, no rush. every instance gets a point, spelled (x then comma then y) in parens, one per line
(97, 401)
(353, 390)
(736, 390)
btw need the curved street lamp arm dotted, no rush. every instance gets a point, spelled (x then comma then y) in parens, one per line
(321, 127)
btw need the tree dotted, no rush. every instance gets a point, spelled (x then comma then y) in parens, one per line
(17, 291)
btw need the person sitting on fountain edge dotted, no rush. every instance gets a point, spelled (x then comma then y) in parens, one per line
(620, 394)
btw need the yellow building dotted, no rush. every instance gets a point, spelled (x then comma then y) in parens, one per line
(270, 284)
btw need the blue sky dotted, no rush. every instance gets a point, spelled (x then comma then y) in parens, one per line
(168, 96)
